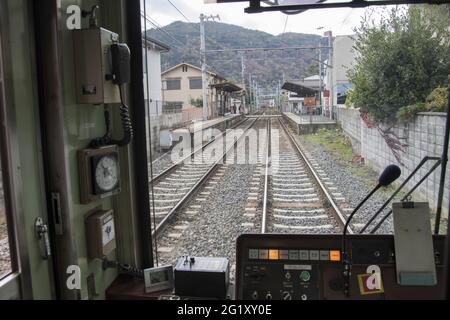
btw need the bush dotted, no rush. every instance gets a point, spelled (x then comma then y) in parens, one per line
(400, 60)
(437, 101)
(198, 103)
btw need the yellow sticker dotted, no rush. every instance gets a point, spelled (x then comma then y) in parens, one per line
(370, 283)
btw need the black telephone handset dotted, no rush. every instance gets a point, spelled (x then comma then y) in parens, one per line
(121, 74)
(120, 56)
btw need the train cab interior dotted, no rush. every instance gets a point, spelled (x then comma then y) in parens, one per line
(78, 220)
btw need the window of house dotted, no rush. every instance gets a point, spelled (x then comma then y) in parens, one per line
(195, 83)
(173, 84)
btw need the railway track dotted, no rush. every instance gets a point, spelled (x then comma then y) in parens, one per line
(296, 197)
(174, 187)
(284, 194)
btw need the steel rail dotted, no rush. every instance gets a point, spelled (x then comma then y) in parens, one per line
(199, 183)
(337, 212)
(266, 179)
(169, 170)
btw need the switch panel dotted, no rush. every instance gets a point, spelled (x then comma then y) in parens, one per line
(101, 235)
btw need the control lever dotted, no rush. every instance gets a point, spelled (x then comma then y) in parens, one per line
(389, 176)
(41, 231)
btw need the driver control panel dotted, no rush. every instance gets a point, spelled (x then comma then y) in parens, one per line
(310, 267)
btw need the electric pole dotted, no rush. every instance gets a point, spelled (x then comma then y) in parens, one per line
(250, 84)
(279, 95)
(243, 79)
(203, 19)
(331, 63)
(320, 78)
(257, 96)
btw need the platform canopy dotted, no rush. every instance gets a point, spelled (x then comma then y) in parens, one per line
(226, 87)
(300, 89)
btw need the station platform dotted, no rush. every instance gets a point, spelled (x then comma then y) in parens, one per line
(221, 123)
(307, 124)
(207, 127)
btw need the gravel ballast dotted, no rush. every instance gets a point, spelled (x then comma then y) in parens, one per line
(5, 260)
(351, 186)
(214, 230)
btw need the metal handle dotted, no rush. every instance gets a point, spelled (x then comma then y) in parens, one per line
(41, 230)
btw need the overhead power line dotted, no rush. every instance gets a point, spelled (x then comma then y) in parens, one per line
(193, 26)
(271, 49)
(285, 24)
(184, 16)
(159, 28)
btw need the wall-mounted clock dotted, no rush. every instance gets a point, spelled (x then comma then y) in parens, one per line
(99, 171)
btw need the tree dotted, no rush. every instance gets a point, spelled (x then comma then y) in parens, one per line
(197, 102)
(312, 70)
(400, 60)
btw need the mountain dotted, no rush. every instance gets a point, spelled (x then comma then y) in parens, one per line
(268, 66)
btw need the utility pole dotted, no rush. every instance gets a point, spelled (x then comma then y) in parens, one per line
(255, 102)
(203, 19)
(243, 78)
(320, 78)
(257, 96)
(331, 63)
(250, 92)
(279, 95)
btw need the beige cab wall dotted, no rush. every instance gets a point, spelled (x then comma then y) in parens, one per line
(83, 123)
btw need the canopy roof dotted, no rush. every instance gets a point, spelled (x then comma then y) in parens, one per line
(226, 87)
(300, 89)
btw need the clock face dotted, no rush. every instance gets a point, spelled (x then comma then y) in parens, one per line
(107, 173)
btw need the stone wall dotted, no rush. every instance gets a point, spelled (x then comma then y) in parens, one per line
(423, 137)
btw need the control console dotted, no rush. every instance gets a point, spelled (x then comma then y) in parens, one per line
(310, 267)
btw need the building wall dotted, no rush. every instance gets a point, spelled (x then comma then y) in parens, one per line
(343, 58)
(154, 81)
(185, 94)
(425, 137)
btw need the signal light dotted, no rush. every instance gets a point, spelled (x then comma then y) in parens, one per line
(335, 255)
(274, 255)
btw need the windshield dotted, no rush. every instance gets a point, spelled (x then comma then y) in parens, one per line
(283, 123)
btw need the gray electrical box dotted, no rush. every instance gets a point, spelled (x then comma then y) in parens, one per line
(414, 252)
(92, 53)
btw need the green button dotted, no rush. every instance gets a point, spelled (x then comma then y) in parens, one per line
(305, 276)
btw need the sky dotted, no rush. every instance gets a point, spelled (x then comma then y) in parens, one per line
(341, 21)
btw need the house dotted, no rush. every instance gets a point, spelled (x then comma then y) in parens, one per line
(152, 74)
(183, 90)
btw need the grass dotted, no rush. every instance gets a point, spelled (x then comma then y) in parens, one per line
(334, 142)
(340, 146)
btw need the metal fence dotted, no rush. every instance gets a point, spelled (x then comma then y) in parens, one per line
(162, 116)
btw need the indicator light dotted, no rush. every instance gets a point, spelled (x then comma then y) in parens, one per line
(335, 255)
(305, 276)
(274, 255)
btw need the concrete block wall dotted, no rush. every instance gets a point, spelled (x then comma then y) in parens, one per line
(351, 124)
(424, 137)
